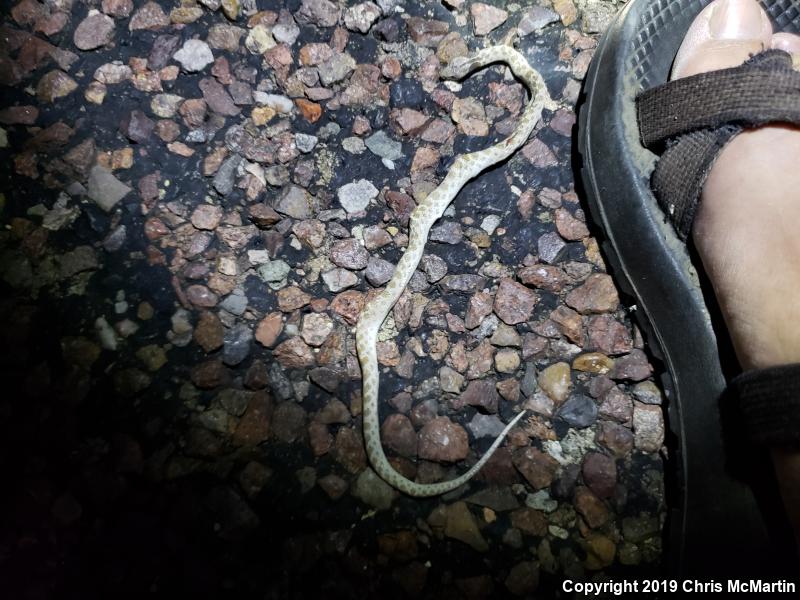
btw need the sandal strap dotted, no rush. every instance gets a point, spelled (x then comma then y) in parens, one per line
(765, 89)
(770, 403)
(682, 170)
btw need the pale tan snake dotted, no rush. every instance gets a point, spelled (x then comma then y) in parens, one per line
(464, 168)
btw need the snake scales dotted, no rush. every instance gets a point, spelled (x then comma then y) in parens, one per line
(465, 167)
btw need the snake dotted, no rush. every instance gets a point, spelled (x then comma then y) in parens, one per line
(464, 168)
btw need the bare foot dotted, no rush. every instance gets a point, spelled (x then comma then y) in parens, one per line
(746, 226)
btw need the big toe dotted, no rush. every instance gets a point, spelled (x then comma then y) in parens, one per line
(724, 34)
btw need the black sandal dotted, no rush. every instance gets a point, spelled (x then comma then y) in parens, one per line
(716, 525)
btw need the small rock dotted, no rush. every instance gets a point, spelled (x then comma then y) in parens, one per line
(322, 13)
(550, 246)
(269, 329)
(442, 440)
(105, 189)
(361, 16)
(94, 31)
(514, 302)
(460, 524)
(486, 17)
(349, 254)
(238, 341)
(648, 427)
(596, 295)
(150, 16)
(339, 279)
(54, 85)
(355, 197)
(578, 411)
(194, 56)
(378, 271)
(481, 393)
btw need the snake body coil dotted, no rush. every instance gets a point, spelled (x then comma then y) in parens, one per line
(465, 167)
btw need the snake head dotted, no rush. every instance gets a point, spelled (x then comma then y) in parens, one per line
(458, 68)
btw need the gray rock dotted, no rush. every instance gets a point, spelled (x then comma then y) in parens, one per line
(578, 411)
(379, 271)
(355, 197)
(550, 246)
(372, 490)
(105, 189)
(94, 31)
(304, 142)
(279, 382)
(235, 303)
(382, 145)
(322, 13)
(354, 145)
(274, 271)
(194, 56)
(435, 267)
(447, 233)
(336, 68)
(225, 177)
(286, 31)
(339, 279)
(485, 425)
(535, 18)
(466, 282)
(361, 16)
(238, 341)
(295, 202)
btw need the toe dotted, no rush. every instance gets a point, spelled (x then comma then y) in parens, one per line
(724, 34)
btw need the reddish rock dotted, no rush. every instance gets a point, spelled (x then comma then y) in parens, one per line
(269, 329)
(349, 254)
(596, 295)
(426, 32)
(616, 405)
(608, 335)
(291, 298)
(442, 440)
(207, 216)
(486, 18)
(481, 393)
(118, 9)
(209, 374)
(479, 360)
(569, 323)
(539, 154)
(288, 422)
(150, 16)
(529, 521)
(478, 307)
(349, 451)
(632, 367)
(201, 296)
(569, 227)
(616, 438)
(253, 427)
(348, 305)
(407, 120)
(209, 333)
(319, 438)
(398, 435)
(537, 467)
(217, 98)
(294, 353)
(514, 302)
(590, 507)
(311, 111)
(19, 115)
(402, 205)
(94, 31)
(599, 474)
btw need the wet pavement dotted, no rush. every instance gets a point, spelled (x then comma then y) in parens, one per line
(197, 201)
